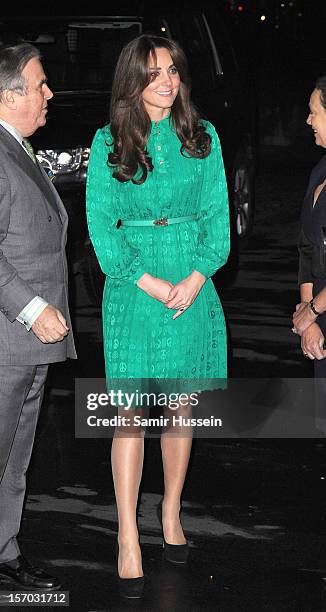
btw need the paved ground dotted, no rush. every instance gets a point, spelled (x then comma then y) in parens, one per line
(255, 524)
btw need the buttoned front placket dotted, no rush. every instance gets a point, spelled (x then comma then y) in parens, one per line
(160, 147)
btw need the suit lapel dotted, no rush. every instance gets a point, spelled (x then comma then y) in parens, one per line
(35, 172)
(54, 194)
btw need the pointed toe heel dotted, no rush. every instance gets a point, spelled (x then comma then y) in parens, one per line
(174, 553)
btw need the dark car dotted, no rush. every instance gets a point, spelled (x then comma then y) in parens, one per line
(79, 54)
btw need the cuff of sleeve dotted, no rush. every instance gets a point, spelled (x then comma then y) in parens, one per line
(203, 269)
(305, 279)
(137, 275)
(31, 311)
(197, 269)
(136, 270)
(208, 268)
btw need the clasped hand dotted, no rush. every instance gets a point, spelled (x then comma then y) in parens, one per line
(184, 293)
(177, 297)
(303, 317)
(312, 338)
(312, 342)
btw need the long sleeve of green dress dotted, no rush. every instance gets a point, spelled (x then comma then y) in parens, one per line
(117, 257)
(214, 237)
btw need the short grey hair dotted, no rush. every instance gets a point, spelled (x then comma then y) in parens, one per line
(321, 86)
(13, 60)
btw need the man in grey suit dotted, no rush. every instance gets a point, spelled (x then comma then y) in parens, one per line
(34, 315)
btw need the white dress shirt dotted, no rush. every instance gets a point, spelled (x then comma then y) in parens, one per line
(33, 309)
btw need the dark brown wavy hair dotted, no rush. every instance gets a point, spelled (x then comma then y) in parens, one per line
(130, 122)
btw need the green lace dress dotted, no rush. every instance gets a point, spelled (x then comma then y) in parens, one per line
(141, 340)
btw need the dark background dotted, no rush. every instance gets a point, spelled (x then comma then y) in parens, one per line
(254, 508)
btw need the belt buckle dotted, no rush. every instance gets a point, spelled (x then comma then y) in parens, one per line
(162, 221)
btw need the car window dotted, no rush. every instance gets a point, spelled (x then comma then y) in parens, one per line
(223, 44)
(78, 55)
(192, 35)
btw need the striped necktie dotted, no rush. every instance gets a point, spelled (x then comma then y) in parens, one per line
(29, 149)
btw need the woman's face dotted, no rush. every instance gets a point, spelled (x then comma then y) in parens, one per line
(159, 95)
(317, 118)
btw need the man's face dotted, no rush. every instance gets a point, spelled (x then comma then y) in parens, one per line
(31, 106)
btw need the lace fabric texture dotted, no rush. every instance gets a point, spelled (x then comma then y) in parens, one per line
(141, 340)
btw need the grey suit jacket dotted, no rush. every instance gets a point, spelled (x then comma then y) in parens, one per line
(33, 229)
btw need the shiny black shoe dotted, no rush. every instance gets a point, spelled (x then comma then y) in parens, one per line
(174, 553)
(26, 575)
(129, 588)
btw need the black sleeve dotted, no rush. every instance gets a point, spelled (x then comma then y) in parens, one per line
(305, 259)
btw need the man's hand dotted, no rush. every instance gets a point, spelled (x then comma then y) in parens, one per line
(303, 317)
(157, 288)
(50, 326)
(312, 341)
(184, 293)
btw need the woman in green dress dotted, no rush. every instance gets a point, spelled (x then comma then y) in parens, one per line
(158, 169)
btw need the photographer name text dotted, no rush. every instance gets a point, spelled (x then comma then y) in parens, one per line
(138, 421)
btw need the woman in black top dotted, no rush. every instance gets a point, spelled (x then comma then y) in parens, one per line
(309, 320)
